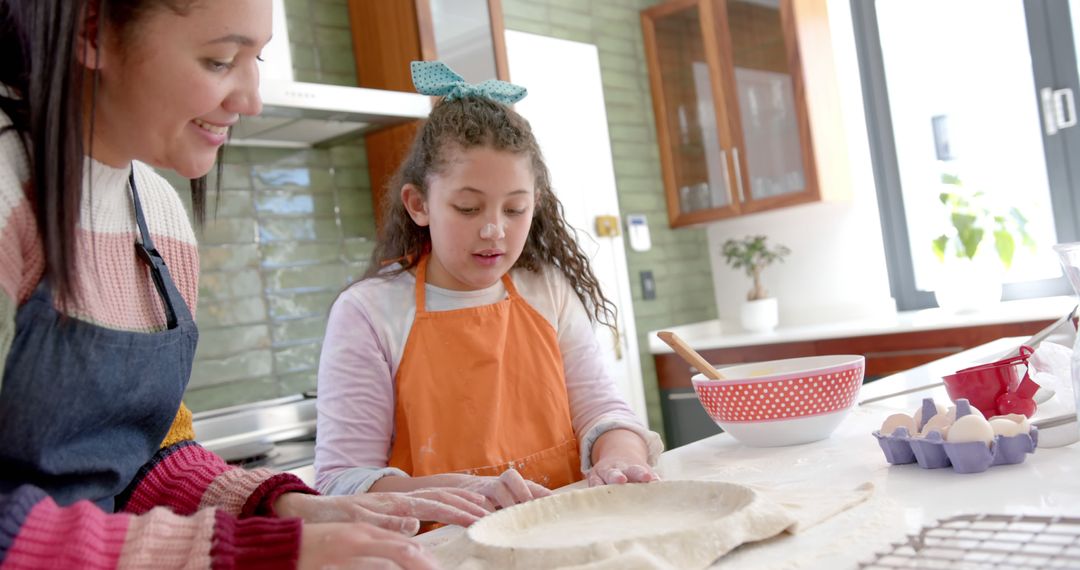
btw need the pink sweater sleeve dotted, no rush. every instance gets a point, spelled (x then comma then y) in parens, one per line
(37, 533)
(186, 477)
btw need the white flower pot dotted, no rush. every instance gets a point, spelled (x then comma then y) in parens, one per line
(967, 286)
(761, 315)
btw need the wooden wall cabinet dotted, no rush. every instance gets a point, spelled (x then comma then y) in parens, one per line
(731, 109)
(467, 35)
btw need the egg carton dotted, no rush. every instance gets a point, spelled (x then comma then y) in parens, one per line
(933, 452)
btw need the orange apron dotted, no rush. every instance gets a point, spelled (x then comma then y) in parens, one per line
(481, 390)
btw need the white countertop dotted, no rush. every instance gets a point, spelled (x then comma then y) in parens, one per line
(906, 497)
(716, 334)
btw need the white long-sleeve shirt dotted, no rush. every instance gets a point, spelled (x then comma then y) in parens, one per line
(365, 337)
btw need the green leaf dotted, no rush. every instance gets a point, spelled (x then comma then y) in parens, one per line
(963, 222)
(939, 247)
(1005, 245)
(950, 179)
(970, 238)
(751, 253)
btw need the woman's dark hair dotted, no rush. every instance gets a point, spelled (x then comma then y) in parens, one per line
(39, 41)
(467, 123)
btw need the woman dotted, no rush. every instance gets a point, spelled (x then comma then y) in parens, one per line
(98, 284)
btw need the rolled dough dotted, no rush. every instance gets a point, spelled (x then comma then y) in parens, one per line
(687, 524)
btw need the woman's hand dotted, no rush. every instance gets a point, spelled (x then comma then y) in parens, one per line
(506, 490)
(620, 456)
(397, 512)
(359, 545)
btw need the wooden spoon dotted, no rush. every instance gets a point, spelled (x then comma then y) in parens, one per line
(689, 355)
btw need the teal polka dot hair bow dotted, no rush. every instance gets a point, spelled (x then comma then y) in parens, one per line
(435, 78)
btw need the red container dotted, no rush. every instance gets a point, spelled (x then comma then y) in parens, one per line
(994, 386)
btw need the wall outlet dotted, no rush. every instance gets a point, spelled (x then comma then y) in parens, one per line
(648, 286)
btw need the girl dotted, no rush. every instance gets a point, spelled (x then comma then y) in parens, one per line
(98, 283)
(466, 356)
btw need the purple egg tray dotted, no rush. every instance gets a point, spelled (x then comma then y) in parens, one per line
(933, 452)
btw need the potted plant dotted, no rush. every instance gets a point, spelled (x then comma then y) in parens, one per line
(753, 254)
(973, 273)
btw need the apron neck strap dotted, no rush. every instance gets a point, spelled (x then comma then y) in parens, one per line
(147, 252)
(421, 280)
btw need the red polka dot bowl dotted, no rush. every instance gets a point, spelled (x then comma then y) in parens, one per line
(782, 402)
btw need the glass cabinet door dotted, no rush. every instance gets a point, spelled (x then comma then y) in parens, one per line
(693, 146)
(464, 39)
(774, 135)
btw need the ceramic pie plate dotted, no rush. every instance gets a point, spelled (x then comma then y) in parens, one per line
(684, 524)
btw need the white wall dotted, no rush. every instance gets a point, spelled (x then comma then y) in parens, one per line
(837, 266)
(572, 129)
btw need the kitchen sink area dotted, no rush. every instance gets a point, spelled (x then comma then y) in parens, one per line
(278, 434)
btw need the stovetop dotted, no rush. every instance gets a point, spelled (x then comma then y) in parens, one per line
(279, 434)
(283, 456)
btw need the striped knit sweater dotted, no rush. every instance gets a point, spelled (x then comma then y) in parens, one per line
(186, 507)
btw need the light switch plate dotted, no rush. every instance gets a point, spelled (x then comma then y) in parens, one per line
(637, 229)
(648, 286)
(607, 226)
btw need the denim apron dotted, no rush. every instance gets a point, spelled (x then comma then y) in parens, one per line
(83, 407)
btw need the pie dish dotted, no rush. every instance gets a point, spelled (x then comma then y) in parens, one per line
(687, 524)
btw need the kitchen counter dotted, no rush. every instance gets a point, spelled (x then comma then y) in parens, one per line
(716, 334)
(1047, 482)
(906, 497)
(891, 344)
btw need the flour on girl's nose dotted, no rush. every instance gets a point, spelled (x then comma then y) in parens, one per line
(491, 231)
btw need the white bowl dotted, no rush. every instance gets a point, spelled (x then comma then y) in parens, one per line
(782, 402)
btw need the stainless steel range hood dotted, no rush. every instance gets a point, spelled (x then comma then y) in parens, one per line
(297, 114)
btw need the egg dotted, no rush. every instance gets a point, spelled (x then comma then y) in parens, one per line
(896, 421)
(918, 413)
(1020, 420)
(939, 423)
(1004, 427)
(975, 411)
(970, 428)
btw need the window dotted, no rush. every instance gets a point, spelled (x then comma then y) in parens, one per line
(966, 97)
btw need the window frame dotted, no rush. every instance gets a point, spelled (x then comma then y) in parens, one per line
(1054, 63)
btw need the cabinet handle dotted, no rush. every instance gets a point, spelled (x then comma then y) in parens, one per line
(726, 177)
(738, 173)
(683, 396)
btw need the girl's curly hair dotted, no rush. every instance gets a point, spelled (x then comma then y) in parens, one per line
(471, 122)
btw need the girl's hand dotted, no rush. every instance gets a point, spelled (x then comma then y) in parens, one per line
(618, 470)
(359, 545)
(506, 490)
(619, 456)
(397, 512)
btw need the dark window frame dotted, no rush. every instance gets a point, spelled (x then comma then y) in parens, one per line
(1053, 65)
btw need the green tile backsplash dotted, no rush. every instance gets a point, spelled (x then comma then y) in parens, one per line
(293, 227)
(289, 230)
